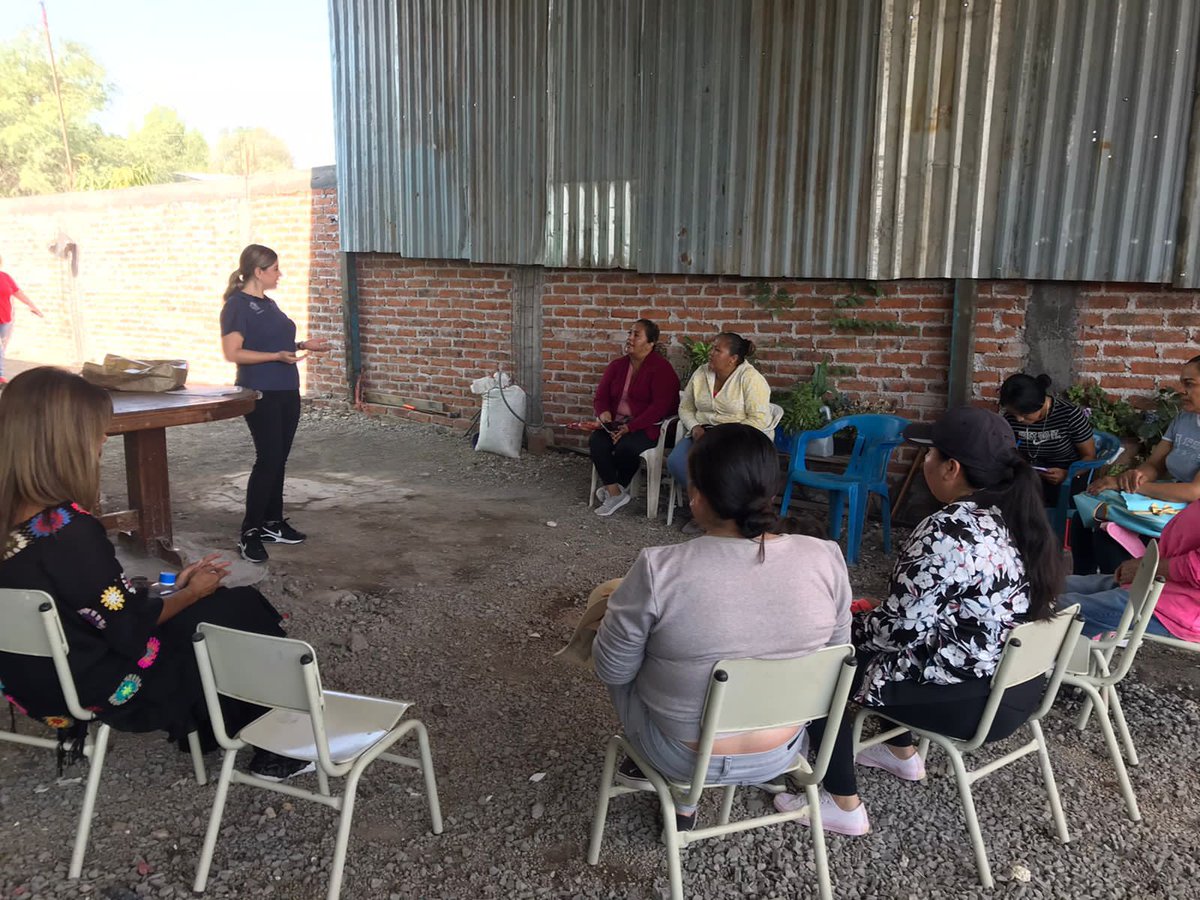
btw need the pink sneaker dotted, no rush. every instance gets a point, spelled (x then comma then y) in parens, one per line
(853, 822)
(880, 757)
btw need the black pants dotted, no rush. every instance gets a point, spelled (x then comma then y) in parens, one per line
(618, 463)
(953, 709)
(273, 426)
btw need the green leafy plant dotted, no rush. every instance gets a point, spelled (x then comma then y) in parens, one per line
(802, 403)
(696, 354)
(1122, 418)
(772, 300)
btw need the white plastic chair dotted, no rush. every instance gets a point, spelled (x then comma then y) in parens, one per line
(29, 626)
(672, 499)
(654, 458)
(1031, 651)
(1092, 670)
(745, 695)
(341, 733)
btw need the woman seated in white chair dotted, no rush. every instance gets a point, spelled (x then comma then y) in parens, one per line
(740, 591)
(725, 391)
(637, 391)
(971, 571)
(130, 653)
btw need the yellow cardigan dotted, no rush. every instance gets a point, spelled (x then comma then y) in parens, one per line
(745, 397)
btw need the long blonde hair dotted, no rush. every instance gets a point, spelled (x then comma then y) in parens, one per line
(255, 256)
(52, 424)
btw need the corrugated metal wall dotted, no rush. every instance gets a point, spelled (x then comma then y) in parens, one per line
(1045, 139)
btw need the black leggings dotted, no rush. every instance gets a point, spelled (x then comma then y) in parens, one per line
(273, 427)
(952, 709)
(617, 463)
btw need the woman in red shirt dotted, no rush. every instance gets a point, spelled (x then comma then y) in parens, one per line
(637, 392)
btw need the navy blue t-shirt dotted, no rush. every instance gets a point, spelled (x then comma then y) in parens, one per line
(266, 328)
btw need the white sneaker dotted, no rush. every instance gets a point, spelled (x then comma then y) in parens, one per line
(612, 503)
(853, 823)
(601, 494)
(880, 757)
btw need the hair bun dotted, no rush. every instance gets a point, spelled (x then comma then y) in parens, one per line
(750, 348)
(1044, 381)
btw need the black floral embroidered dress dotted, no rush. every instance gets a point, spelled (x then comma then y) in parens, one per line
(135, 674)
(958, 588)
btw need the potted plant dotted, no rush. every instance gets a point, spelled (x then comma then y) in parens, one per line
(695, 356)
(805, 408)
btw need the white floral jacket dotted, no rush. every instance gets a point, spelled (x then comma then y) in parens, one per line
(958, 588)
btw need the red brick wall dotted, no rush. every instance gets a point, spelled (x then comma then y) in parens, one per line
(152, 264)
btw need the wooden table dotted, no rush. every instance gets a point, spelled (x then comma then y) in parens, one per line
(144, 420)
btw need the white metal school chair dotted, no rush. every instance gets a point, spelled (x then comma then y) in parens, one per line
(1093, 672)
(1031, 651)
(29, 626)
(745, 695)
(342, 733)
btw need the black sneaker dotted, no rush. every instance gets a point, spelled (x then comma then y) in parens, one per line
(281, 533)
(251, 546)
(630, 775)
(272, 767)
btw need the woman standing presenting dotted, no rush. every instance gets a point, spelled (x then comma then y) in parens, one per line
(258, 336)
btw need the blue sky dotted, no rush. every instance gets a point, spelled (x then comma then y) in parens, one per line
(219, 64)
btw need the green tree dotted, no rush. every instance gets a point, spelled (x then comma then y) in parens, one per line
(32, 160)
(151, 154)
(245, 151)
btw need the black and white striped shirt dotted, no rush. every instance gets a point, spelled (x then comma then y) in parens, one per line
(1051, 442)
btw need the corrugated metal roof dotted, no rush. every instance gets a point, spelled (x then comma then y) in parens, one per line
(873, 139)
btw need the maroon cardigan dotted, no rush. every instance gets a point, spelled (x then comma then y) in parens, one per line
(653, 393)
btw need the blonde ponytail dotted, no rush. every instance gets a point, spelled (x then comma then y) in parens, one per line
(255, 256)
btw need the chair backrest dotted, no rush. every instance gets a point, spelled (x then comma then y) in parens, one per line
(776, 415)
(753, 694)
(30, 626)
(875, 438)
(258, 668)
(1144, 592)
(1032, 650)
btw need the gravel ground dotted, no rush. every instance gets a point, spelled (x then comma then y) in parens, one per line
(449, 578)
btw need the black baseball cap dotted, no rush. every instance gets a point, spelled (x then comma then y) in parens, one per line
(979, 439)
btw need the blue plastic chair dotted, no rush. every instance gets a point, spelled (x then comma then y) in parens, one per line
(1108, 448)
(876, 438)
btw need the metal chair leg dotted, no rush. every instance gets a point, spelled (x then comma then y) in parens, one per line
(95, 768)
(671, 839)
(727, 794)
(338, 864)
(431, 793)
(1114, 752)
(1114, 704)
(968, 805)
(820, 857)
(197, 758)
(214, 821)
(606, 780)
(1056, 810)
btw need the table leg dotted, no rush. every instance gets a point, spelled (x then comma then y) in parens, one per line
(149, 487)
(917, 462)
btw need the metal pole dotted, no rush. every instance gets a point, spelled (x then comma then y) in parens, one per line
(62, 116)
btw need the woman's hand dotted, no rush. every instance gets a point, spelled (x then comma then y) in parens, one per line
(1131, 480)
(1106, 483)
(605, 416)
(697, 432)
(1126, 571)
(1054, 475)
(287, 356)
(317, 345)
(204, 581)
(620, 432)
(212, 561)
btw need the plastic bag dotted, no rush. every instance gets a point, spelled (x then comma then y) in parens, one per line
(151, 375)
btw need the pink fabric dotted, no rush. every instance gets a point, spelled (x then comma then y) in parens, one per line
(8, 287)
(1130, 542)
(1179, 605)
(624, 410)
